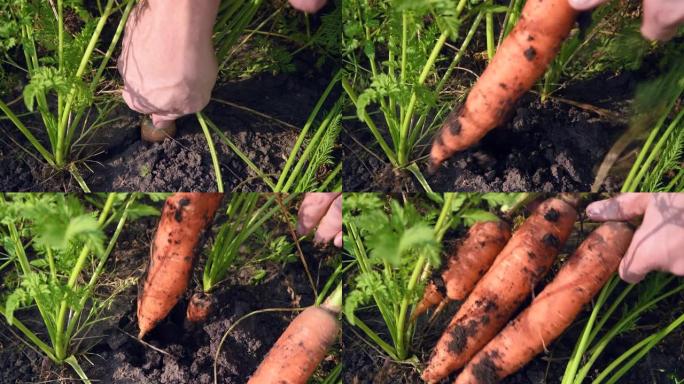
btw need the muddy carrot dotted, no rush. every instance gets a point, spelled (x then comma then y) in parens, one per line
(467, 264)
(184, 218)
(518, 63)
(554, 309)
(522, 263)
(303, 345)
(200, 307)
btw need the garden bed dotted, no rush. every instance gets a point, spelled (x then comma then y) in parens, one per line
(184, 163)
(545, 146)
(188, 356)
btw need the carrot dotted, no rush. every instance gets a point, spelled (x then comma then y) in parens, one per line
(518, 63)
(578, 281)
(200, 307)
(183, 220)
(303, 345)
(523, 262)
(467, 264)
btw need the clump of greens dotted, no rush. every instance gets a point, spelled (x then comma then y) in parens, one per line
(59, 249)
(64, 76)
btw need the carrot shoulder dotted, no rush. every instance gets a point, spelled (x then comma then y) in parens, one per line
(184, 218)
(518, 63)
(467, 264)
(298, 351)
(554, 309)
(522, 263)
(200, 306)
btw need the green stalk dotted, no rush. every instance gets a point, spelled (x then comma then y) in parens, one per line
(443, 222)
(71, 360)
(361, 258)
(309, 148)
(98, 270)
(241, 155)
(627, 185)
(573, 365)
(403, 133)
(302, 135)
(653, 153)
(602, 344)
(490, 32)
(331, 176)
(60, 347)
(371, 125)
(29, 136)
(212, 151)
(389, 350)
(60, 48)
(649, 342)
(461, 51)
(49, 352)
(26, 271)
(413, 281)
(62, 147)
(105, 60)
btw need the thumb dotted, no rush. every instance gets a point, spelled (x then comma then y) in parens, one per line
(661, 19)
(624, 207)
(638, 260)
(583, 5)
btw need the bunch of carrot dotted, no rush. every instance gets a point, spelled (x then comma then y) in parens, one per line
(473, 339)
(184, 219)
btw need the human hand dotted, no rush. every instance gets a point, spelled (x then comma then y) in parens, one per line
(323, 211)
(167, 60)
(660, 17)
(658, 243)
(308, 6)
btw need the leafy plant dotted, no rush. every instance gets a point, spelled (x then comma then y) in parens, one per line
(246, 213)
(59, 250)
(394, 245)
(63, 74)
(393, 53)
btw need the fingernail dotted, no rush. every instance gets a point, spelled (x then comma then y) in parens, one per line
(593, 210)
(300, 229)
(581, 4)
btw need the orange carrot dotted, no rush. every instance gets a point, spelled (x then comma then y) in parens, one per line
(522, 263)
(183, 220)
(468, 263)
(554, 309)
(200, 307)
(303, 345)
(518, 63)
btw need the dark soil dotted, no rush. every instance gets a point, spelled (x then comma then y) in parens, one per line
(365, 364)
(124, 163)
(550, 146)
(118, 357)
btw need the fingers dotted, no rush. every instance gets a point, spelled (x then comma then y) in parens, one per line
(624, 207)
(331, 224)
(635, 264)
(661, 19)
(338, 240)
(313, 208)
(308, 6)
(657, 243)
(583, 5)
